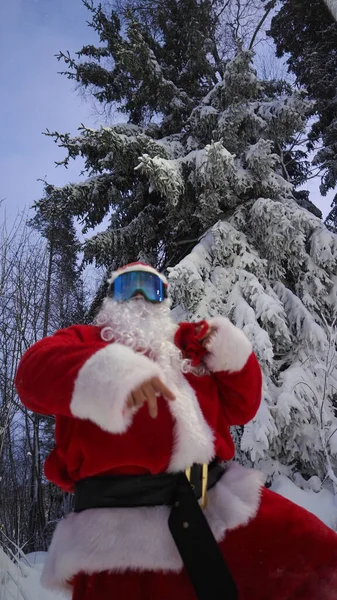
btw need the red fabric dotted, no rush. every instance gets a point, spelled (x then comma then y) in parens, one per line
(285, 553)
(188, 337)
(45, 382)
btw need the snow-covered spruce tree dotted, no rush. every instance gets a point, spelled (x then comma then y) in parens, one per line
(157, 72)
(267, 264)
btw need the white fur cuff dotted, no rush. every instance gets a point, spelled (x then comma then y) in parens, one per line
(105, 382)
(229, 348)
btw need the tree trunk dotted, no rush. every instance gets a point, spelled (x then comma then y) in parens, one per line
(37, 513)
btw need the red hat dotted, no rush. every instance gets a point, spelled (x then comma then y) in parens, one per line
(137, 266)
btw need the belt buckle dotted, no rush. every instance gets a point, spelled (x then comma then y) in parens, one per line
(204, 482)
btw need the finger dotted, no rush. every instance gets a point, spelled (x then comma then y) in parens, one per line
(208, 333)
(151, 400)
(162, 389)
(130, 401)
(206, 340)
(209, 336)
(139, 397)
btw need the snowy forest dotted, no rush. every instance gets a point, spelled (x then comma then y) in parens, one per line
(214, 117)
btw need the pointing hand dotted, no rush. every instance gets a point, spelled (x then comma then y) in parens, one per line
(148, 392)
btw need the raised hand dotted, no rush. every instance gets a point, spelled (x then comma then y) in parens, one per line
(204, 341)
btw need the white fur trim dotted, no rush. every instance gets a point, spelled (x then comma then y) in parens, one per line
(139, 538)
(104, 383)
(229, 348)
(136, 267)
(193, 437)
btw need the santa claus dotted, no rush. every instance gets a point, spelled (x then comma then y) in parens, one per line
(143, 409)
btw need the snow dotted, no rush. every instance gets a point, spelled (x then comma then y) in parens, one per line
(323, 503)
(164, 176)
(205, 110)
(21, 580)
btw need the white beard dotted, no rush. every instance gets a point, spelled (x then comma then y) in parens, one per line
(145, 327)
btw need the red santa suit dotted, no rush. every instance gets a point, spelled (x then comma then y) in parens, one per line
(274, 549)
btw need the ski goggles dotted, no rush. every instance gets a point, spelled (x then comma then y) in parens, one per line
(128, 285)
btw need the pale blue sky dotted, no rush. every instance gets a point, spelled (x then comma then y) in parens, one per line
(34, 97)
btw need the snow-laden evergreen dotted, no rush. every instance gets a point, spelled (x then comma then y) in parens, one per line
(295, 428)
(161, 192)
(268, 265)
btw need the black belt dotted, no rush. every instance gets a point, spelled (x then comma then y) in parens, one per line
(189, 528)
(139, 490)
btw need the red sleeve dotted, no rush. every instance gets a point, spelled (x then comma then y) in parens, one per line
(47, 371)
(240, 392)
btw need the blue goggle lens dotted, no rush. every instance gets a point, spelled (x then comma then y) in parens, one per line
(127, 285)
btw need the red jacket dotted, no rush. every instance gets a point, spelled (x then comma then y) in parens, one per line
(85, 382)
(274, 549)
